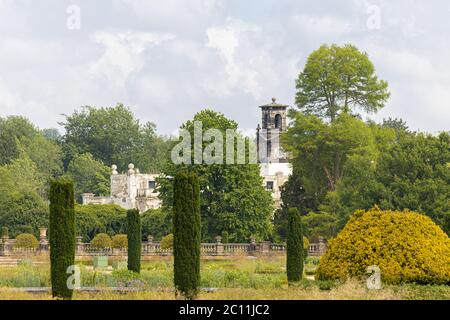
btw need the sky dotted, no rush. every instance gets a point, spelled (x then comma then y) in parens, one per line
(169, 59)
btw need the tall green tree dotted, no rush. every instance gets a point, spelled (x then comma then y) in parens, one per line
(187, 234)
(294, 246)
(339, 79)
(89, 176)
(233, 198)
(113, 136)
(134, 234)
(61, 236)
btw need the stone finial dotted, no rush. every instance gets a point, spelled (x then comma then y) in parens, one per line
(274, 99)
(130, 168)
(137, 171)
(114, 169)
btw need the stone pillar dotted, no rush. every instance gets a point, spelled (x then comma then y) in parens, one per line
(252, 247)
(150, 244)
(4, 246)
(265, 247)
(43, 243)
(322, 246)
(79, 245)
(219, 246)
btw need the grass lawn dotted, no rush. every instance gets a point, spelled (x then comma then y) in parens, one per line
(237, 278)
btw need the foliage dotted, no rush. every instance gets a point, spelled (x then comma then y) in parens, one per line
(101, 241)
(187, 234)
(62, 235)
(89, 176)
(94, 219)
(134, 233)
(21, 203)
(294, 246)
(113, 136)
(167, 242)
(339, 79)
(120, 241)
(232, 198)
(406, 246)
(26, 241)
(4, 233)
(156, 223)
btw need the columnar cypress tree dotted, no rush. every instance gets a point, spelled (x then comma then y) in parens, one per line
(294, 262)
(62, 235)
(134, 235)
(187, 234)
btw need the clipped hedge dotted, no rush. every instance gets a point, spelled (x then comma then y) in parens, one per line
(61, 235)
(406, 246)
(167, 242)
(134, 234)
(294, 246)
(26, 241)
(101, 241)
(120, 241)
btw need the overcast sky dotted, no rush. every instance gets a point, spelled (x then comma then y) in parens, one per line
(169, 59)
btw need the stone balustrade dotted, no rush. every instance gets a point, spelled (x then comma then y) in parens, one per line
(153, 248)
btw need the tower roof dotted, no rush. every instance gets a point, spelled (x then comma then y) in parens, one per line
(273, 104)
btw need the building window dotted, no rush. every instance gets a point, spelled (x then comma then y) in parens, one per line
(152, 184)
(278, 124)
(269, 185)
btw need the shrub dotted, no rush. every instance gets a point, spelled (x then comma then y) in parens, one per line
(406, 246)
(120, 241)
(134, 233)
(5, 233)
(62, 235)
(26, 241)
(101, 241)
(167, 242)
(295, 248)
(187, 234)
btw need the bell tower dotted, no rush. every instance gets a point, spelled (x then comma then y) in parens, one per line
(268, 134)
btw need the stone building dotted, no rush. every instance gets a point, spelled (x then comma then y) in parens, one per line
(131, 190)
(137, 190)
(275, 168)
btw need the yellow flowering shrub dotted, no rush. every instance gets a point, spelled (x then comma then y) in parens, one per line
(406, 246)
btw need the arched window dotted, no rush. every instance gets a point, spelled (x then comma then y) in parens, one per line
(278, 124)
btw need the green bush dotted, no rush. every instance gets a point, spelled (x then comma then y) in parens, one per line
(101, 241)
(5, 233)
(62, 235)
(26, 241)
(134, 232)
(187, 234)
(157, 223)
(167, 242)
(406, 246)
(93, 219)
(120, 241)
(295, 247)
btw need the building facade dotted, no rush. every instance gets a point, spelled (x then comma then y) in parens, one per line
(132, 190)
(135, 190)
(275, 168)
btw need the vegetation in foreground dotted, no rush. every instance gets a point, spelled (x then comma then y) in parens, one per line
(242, 278)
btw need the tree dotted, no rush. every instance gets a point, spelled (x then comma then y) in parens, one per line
(339, 79)
(134, 234)
(156, 223)
(113, 136)
(232, 198)
(89, 176)
(187, 234)
(294, 246)
(61, 235)
(21, 201)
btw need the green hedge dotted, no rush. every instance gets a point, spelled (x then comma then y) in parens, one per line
(62, 235)
(295, 249)
(134, 234)
(187, 234)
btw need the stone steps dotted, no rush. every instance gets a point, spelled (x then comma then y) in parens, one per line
(14, 262)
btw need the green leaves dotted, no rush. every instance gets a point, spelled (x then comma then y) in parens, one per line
(339, 79)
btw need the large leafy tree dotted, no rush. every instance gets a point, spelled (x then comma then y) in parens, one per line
(113, 136)
(232, 198)
(339, 79)
(89, 176)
